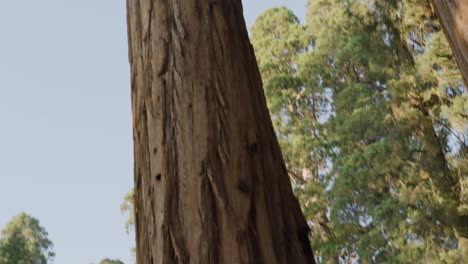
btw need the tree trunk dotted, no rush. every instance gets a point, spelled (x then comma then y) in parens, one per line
(210, 181)
(453, 15)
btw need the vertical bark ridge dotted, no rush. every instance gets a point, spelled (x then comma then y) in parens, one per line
(210, 181)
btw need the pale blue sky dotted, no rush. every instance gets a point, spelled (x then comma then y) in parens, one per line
(65, 122)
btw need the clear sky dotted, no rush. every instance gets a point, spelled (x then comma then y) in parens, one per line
(66, 153)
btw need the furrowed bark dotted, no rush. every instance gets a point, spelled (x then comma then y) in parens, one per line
(453, 15)
(211, 185)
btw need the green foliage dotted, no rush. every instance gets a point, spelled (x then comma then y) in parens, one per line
(110, 261)
(128, 207)
(371, 114)
(25, 241)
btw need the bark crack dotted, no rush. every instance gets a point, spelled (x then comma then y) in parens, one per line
(219, 194)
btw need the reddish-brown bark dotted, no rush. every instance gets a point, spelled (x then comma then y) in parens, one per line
(210, 181)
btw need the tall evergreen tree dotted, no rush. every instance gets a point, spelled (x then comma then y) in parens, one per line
(395, 134)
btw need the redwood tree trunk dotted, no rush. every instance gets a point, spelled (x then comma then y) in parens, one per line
(210, 181)
(453, 16)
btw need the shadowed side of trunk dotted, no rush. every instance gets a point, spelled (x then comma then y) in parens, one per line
(210, 181)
